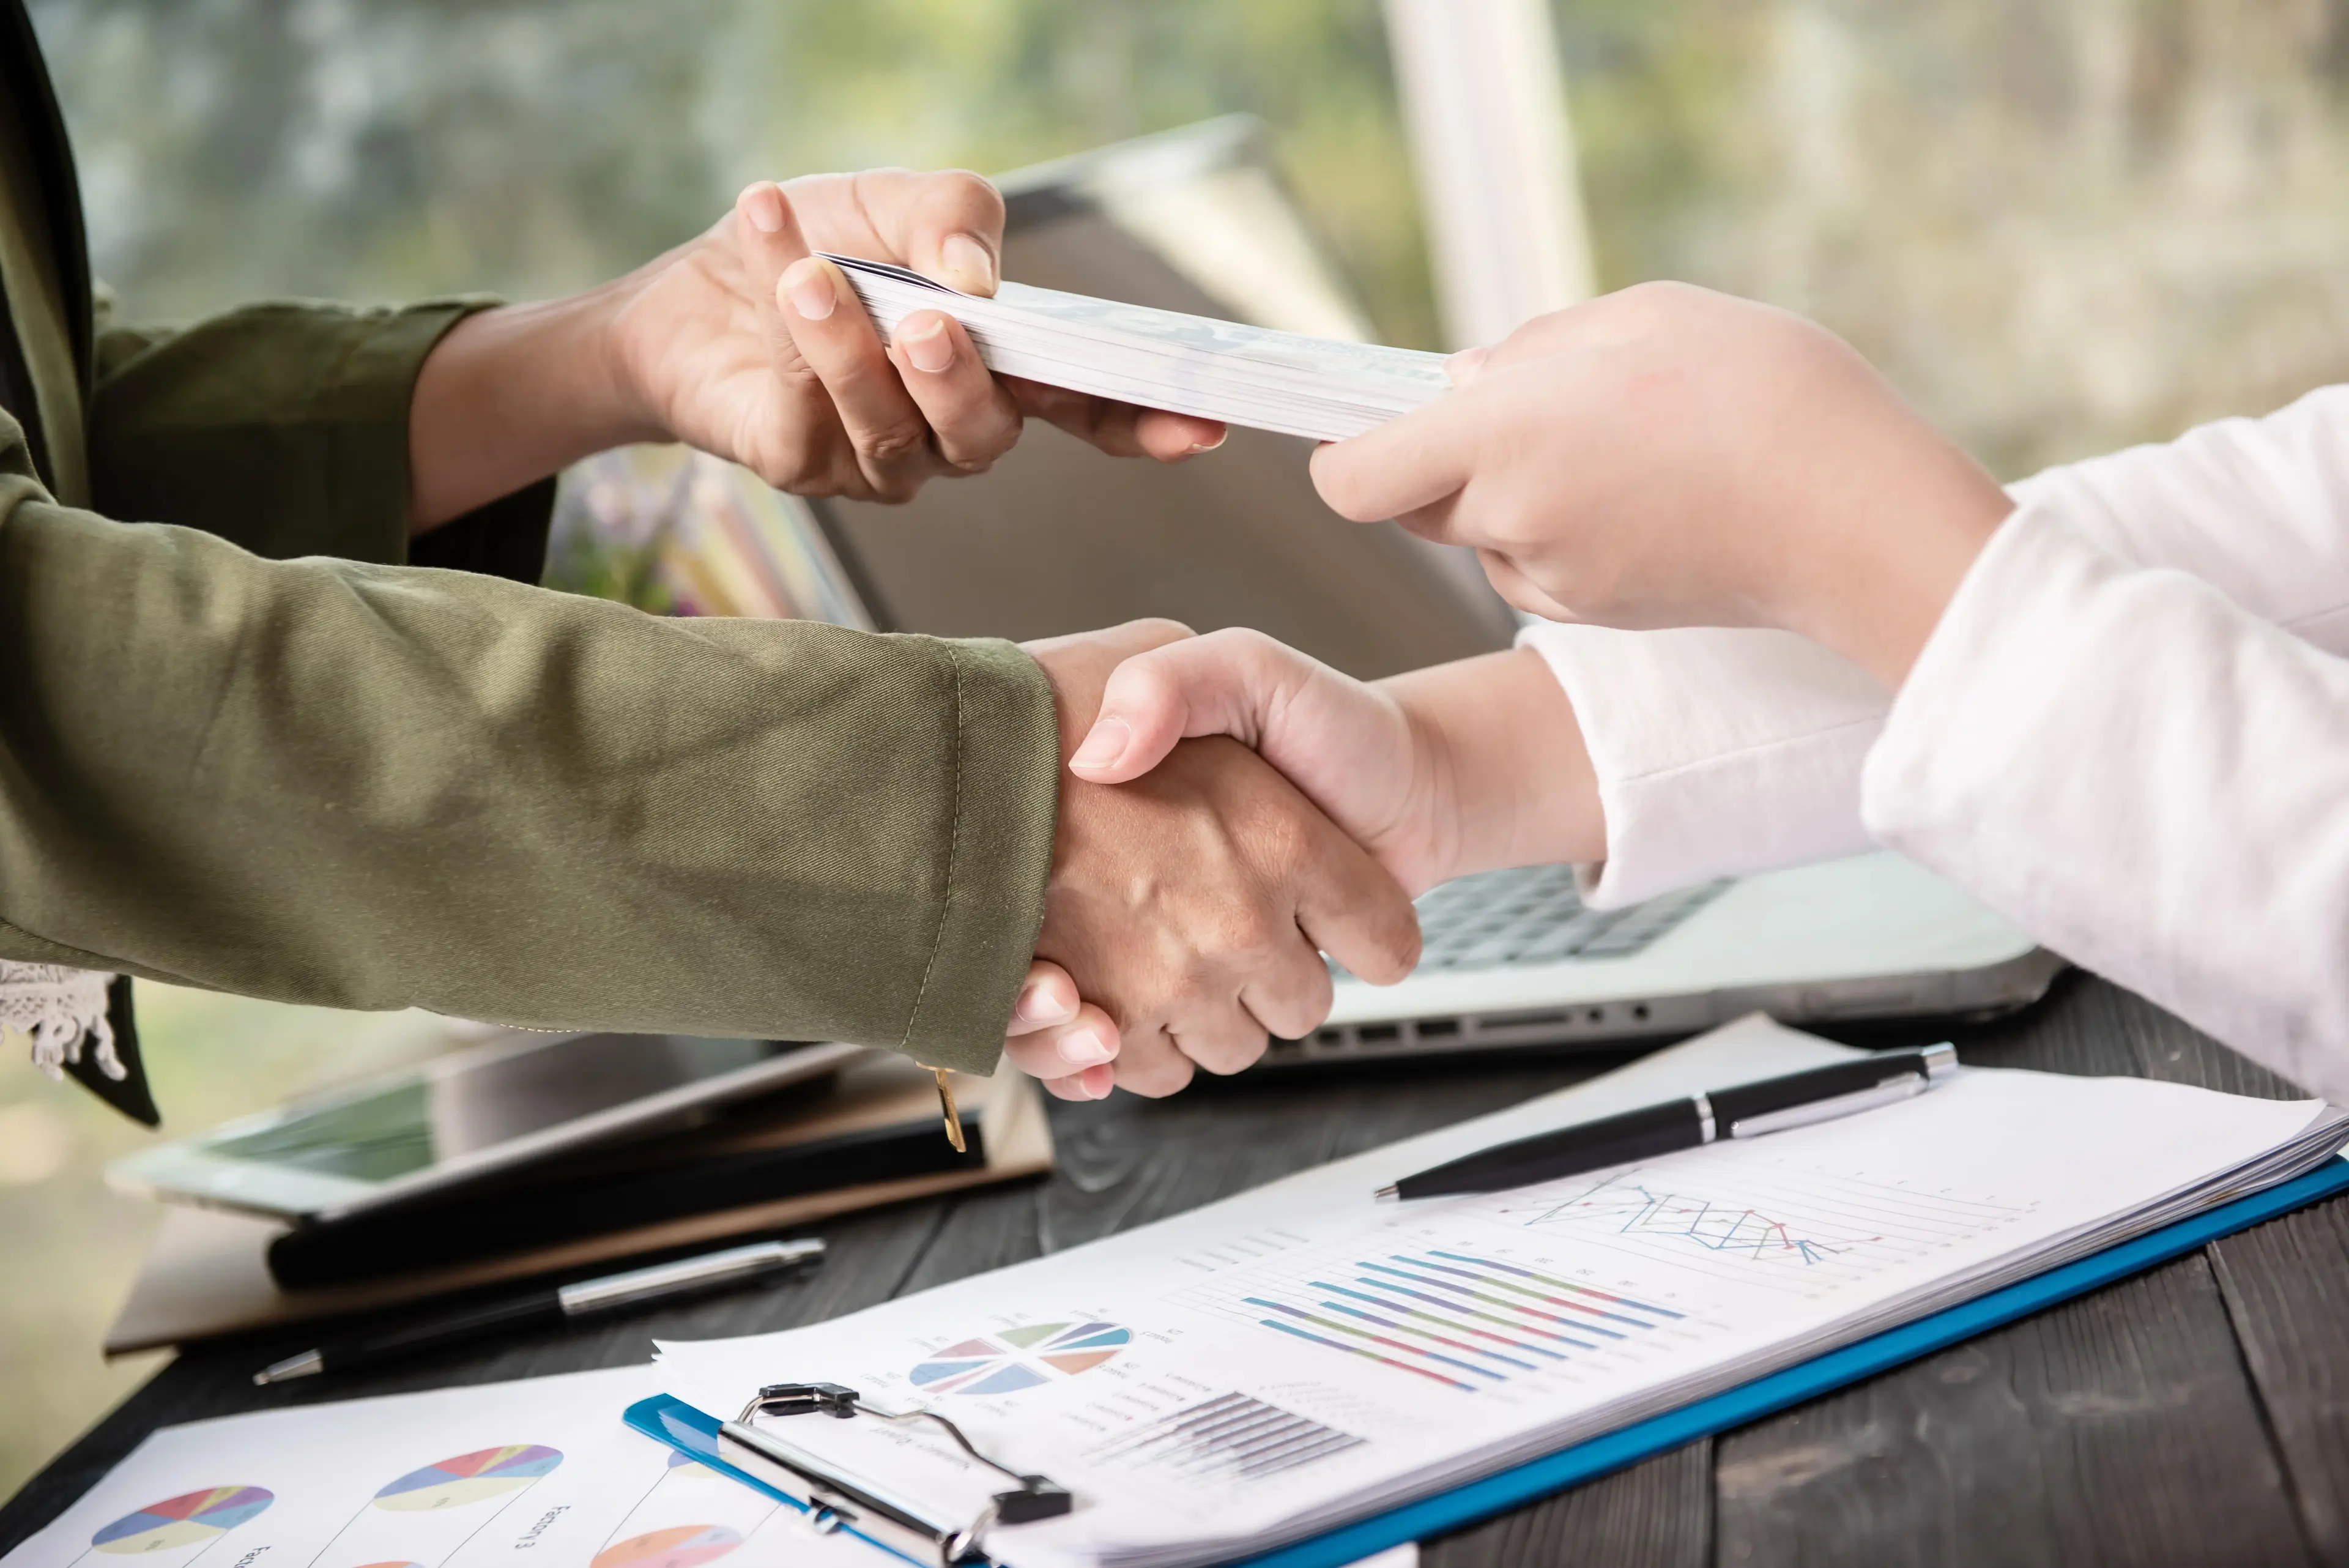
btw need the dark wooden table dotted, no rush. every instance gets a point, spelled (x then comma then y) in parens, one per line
(2196, 1415)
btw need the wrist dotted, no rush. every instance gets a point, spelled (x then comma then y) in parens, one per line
(1509, 781)
(514, 393)
(1878, 603)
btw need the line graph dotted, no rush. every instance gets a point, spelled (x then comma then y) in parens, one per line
(1755, 1220)
(1640, 1207)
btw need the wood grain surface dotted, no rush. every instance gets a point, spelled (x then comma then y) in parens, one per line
(2195, 1415)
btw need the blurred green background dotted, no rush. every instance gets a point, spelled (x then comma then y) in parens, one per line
(2059, 226)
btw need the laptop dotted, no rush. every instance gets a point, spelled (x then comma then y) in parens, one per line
(1058, 538)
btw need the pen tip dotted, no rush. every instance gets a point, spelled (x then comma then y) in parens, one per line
(1388, 1194)
(303, 1365)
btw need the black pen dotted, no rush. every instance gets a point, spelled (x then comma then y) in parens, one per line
(1749, 1110)
(662, 1282)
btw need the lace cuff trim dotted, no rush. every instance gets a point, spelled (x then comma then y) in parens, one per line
(60, 1008)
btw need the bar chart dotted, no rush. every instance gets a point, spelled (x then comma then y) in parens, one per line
(1232, 1437)
(1465, 1320)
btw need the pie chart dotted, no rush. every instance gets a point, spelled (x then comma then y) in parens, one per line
(679, 1546)
(469, 1477)
(178, 1521)
(1011, 1359)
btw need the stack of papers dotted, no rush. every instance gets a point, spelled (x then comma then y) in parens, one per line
(1312, 387)
(1267, 1367)
(1297, 1357)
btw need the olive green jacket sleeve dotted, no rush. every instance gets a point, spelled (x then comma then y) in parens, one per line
(375, 786)
(283, 427)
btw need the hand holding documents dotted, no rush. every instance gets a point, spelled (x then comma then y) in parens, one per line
(1244, 375)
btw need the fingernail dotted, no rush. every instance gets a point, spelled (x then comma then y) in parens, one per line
(1465, 366)
(807, 284)
(1038, 1004)
(1197, 447)
(1104, 745)
(972, 267)
(928, 345)
(1099, 1088)
(1083, 1049)
(765, 208)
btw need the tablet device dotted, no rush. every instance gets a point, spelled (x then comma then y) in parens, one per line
(490, 1108)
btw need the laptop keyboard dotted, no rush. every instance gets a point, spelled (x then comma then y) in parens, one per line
(1532, 915)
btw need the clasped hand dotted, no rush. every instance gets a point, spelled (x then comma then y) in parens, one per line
(1189, 908)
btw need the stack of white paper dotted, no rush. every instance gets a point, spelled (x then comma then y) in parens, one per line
(1299, 1356)
(1162, 359)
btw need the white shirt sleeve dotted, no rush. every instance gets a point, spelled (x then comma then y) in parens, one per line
(1723, 752)
(2147, 776)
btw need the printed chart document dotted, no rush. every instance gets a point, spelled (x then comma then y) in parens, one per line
(538, 1471)
(1250, 375)
(1264, 1368)
(541, 1471)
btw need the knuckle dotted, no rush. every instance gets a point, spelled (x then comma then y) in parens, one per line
(1257, 937)
(1157, 1078)
(895, 441)
(1398, 945)
(1237, 1053)
(972, 191)
(1285, 840)
(1162, 629)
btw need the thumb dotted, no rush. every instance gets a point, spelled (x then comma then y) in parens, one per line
(1228, 682)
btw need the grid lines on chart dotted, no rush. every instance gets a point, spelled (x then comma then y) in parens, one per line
(1750, 1220)
(1230, 1437)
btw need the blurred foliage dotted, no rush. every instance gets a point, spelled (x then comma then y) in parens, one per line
(2060, 227)
(343, 148)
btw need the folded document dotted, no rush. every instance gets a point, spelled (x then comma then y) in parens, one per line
(1164, 360)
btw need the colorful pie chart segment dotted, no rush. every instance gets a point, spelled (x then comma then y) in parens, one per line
(179, 1520)
(469, 1477)
(1014, 1358)
(679, 1546)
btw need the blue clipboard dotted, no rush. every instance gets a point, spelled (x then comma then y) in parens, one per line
(682, 1427)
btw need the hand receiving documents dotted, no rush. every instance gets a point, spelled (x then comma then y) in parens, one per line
(1225, 370)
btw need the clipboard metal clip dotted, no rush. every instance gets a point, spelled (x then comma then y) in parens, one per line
(838, 1501)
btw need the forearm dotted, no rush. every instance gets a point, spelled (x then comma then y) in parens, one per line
(2146, 778)
(1512, 778)
(374, 787)
(513, 394)
(2258, 508)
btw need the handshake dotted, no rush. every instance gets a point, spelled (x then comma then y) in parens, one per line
(1663, 457)
(1195, 886)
